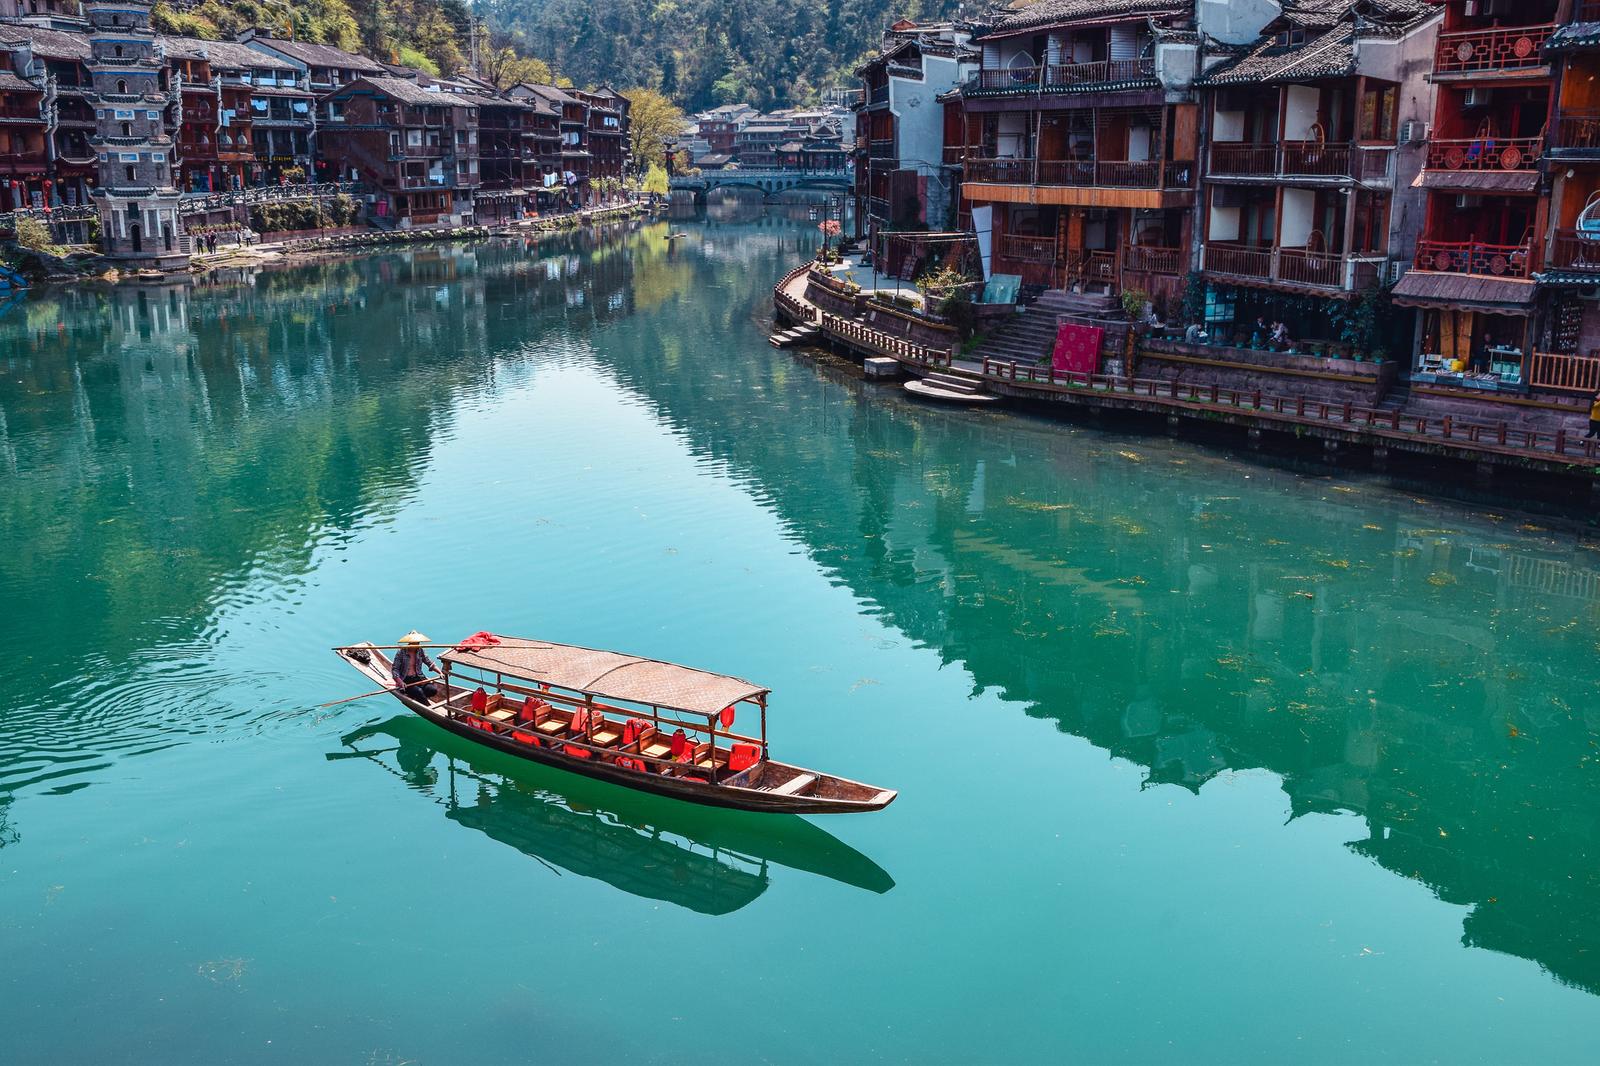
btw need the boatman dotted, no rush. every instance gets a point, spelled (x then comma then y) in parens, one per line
(409, 665)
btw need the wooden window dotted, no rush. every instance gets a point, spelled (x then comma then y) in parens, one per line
(1377, 117)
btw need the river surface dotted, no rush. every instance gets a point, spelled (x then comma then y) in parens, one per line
(1199, 760)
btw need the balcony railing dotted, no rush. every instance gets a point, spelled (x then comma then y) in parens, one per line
(1571, 252)
(1501, 49)
(1153, 259)
(1577, 373)
(1238, 259)
(1108, 173)
(1028, 249)
(1334, 271)
(1315, 159)
(1093, 266)
(881, 148)
(31, 113)
(1305, 267)
(1587, 11)
(954, 154)
(880, 94)
(1577, 131)
(1072, 75)
(1474, 257)
(1300, 159)
(1018, 78)
(1486, 153)
(1241, 159)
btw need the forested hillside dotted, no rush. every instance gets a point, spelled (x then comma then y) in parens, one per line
(766, 53)
(435, 35)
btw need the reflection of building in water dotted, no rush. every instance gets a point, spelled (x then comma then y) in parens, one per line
(1435, 681)
(711, 862)
(160, 446)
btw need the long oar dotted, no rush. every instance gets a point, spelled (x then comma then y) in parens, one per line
(376, 692)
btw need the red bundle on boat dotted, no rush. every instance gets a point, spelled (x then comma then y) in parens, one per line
(478, 641)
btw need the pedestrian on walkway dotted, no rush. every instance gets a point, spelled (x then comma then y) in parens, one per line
(1594, 418)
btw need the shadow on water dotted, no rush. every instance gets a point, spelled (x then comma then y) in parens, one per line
(704, 860)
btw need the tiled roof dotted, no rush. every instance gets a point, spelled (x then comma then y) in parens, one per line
(1331, 29)
(1328, 55)
(1573, 36)
(1419, 288)
(551, 93)
(228, 55)
(10, 83)
(1567, 278)
(48, 44)
(319, 55)
(1481, 181)
(1045, 12)
(408, 92)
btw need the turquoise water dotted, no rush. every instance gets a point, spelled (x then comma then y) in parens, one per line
(1199, 760)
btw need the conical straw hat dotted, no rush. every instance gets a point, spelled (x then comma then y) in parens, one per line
(412, 637)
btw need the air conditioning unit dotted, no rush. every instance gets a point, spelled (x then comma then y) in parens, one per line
(1477, 97)
(1393, 269)
(1413, 131)
(1465, 199)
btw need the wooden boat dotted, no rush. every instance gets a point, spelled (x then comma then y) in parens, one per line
(644, 724)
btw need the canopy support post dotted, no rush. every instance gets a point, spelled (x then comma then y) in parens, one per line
(761, 701)
(711, 720)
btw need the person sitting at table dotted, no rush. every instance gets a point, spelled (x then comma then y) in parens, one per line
(1280, 336)
(408, 668)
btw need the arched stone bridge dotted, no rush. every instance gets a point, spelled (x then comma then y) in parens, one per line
(766, 182)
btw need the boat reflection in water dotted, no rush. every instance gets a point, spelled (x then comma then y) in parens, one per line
(706, 860)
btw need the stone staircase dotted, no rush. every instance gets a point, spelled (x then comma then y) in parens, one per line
(1030, 335)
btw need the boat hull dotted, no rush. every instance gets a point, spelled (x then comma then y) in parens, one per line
(729, 796)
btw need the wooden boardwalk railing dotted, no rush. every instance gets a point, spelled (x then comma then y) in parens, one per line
(1500, 436)
(1380, 424)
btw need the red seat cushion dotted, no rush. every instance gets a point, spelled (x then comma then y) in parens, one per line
(743, 756)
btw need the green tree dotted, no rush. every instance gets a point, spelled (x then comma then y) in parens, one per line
(655, 180)
(653, 120)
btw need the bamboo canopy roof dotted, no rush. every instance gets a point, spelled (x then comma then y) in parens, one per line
(608, 674)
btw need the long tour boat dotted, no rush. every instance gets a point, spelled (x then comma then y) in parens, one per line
(641, 723)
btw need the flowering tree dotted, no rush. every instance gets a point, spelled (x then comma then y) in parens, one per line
(830, 229)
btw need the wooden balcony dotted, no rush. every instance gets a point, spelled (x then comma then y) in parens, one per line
(1474, 257)
(1240, 260)
(1079, 75)
(1113, 174)
(1577, 132)
(1315, 159)
(1243, 160)
(1028, 249)
(1503, 50)
(1573, 373)
(1094, 267)
(1485, 153)
(1299, 267)
(1300, 159)
(1154, 259)
(1570, 252)
(1017, 79)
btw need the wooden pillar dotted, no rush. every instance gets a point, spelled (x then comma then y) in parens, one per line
(762, 702)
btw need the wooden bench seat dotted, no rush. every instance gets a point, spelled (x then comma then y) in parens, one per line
(794, 786)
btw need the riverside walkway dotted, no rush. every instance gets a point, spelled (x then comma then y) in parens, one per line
(1486, 445)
